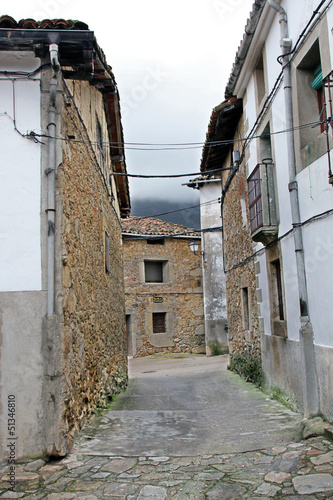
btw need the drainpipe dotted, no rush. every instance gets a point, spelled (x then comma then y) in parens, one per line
(308, 363)
(51, 180)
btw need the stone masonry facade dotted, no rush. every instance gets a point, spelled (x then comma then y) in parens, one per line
(179, 298)
(243, 321)
(94, 341)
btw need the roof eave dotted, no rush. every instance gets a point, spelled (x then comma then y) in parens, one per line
(222, 126)
(79, 50)
(144, 236)
(257, 26)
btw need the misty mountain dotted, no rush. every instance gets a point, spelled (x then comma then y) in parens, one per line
(186, 213)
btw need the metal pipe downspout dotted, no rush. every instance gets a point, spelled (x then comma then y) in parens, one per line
(309, 375)
(51, 181)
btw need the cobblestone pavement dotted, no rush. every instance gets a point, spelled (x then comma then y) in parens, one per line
(259, 454)
(302, 470)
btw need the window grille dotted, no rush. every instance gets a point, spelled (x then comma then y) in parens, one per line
(255, 203)
(328, 85)
(262, 200)
(159, 322)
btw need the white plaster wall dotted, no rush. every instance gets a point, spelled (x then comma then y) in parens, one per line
(250, 115)
(213, 274)
(316, 197)
(21, 364)
(280, 158)
(290, 287)
(20, 241)
(210, 208)
(272, 52)
(299, 12)
(22, 305)
(330, 36)
(265, 311)
(315, 192)
(318, 243)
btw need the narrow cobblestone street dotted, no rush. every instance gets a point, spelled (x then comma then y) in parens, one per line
(186, 428)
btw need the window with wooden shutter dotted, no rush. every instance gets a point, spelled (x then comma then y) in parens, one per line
(159, 322)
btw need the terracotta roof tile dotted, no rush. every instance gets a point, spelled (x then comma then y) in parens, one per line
(60, 24)
(150, 226)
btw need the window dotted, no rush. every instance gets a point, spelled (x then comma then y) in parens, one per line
(245, 307)
(107, 252)
(159, 322)
(263, 219)
(310, 105)
(276, 292)
(259, 76)
(255, 202)
(154, 271)
(317, 85)
(265, 147)
(156, 241)
(277, 295)
(100, 144)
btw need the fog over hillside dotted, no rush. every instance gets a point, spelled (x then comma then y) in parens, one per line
(185, 213)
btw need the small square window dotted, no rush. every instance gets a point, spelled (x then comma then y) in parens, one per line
(156, 241)
(154, 271)
(277, 294)
(159, 322)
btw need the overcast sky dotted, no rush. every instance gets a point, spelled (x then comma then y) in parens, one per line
(171, 61)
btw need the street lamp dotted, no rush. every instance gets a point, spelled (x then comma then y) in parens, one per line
(194, 246)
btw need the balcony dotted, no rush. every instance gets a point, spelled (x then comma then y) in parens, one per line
(262, 206)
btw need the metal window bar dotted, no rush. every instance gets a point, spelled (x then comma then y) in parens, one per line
(259, 186)
(255, 202)
(328, 84)
(159, 323)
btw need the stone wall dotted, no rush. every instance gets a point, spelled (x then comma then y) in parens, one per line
(243, 321)
(94, 341)
(180, 297)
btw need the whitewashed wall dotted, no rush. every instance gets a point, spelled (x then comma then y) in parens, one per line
(315, 193)
(20, 241)
(22, 303)
(215, 305)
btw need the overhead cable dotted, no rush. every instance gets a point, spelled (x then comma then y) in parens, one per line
(216, 200)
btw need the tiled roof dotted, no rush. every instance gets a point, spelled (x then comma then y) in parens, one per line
(157, 227)
(223, 123)
(80, 58)
(59, 24)
(244, 47)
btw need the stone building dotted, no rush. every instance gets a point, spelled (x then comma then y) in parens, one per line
(163, 287)
(279, 191)
(62, 307)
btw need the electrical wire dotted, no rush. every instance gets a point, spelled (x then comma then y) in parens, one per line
(140, 176)
(178, 146)
(320, 216)
(217, 200)
(25, 74)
